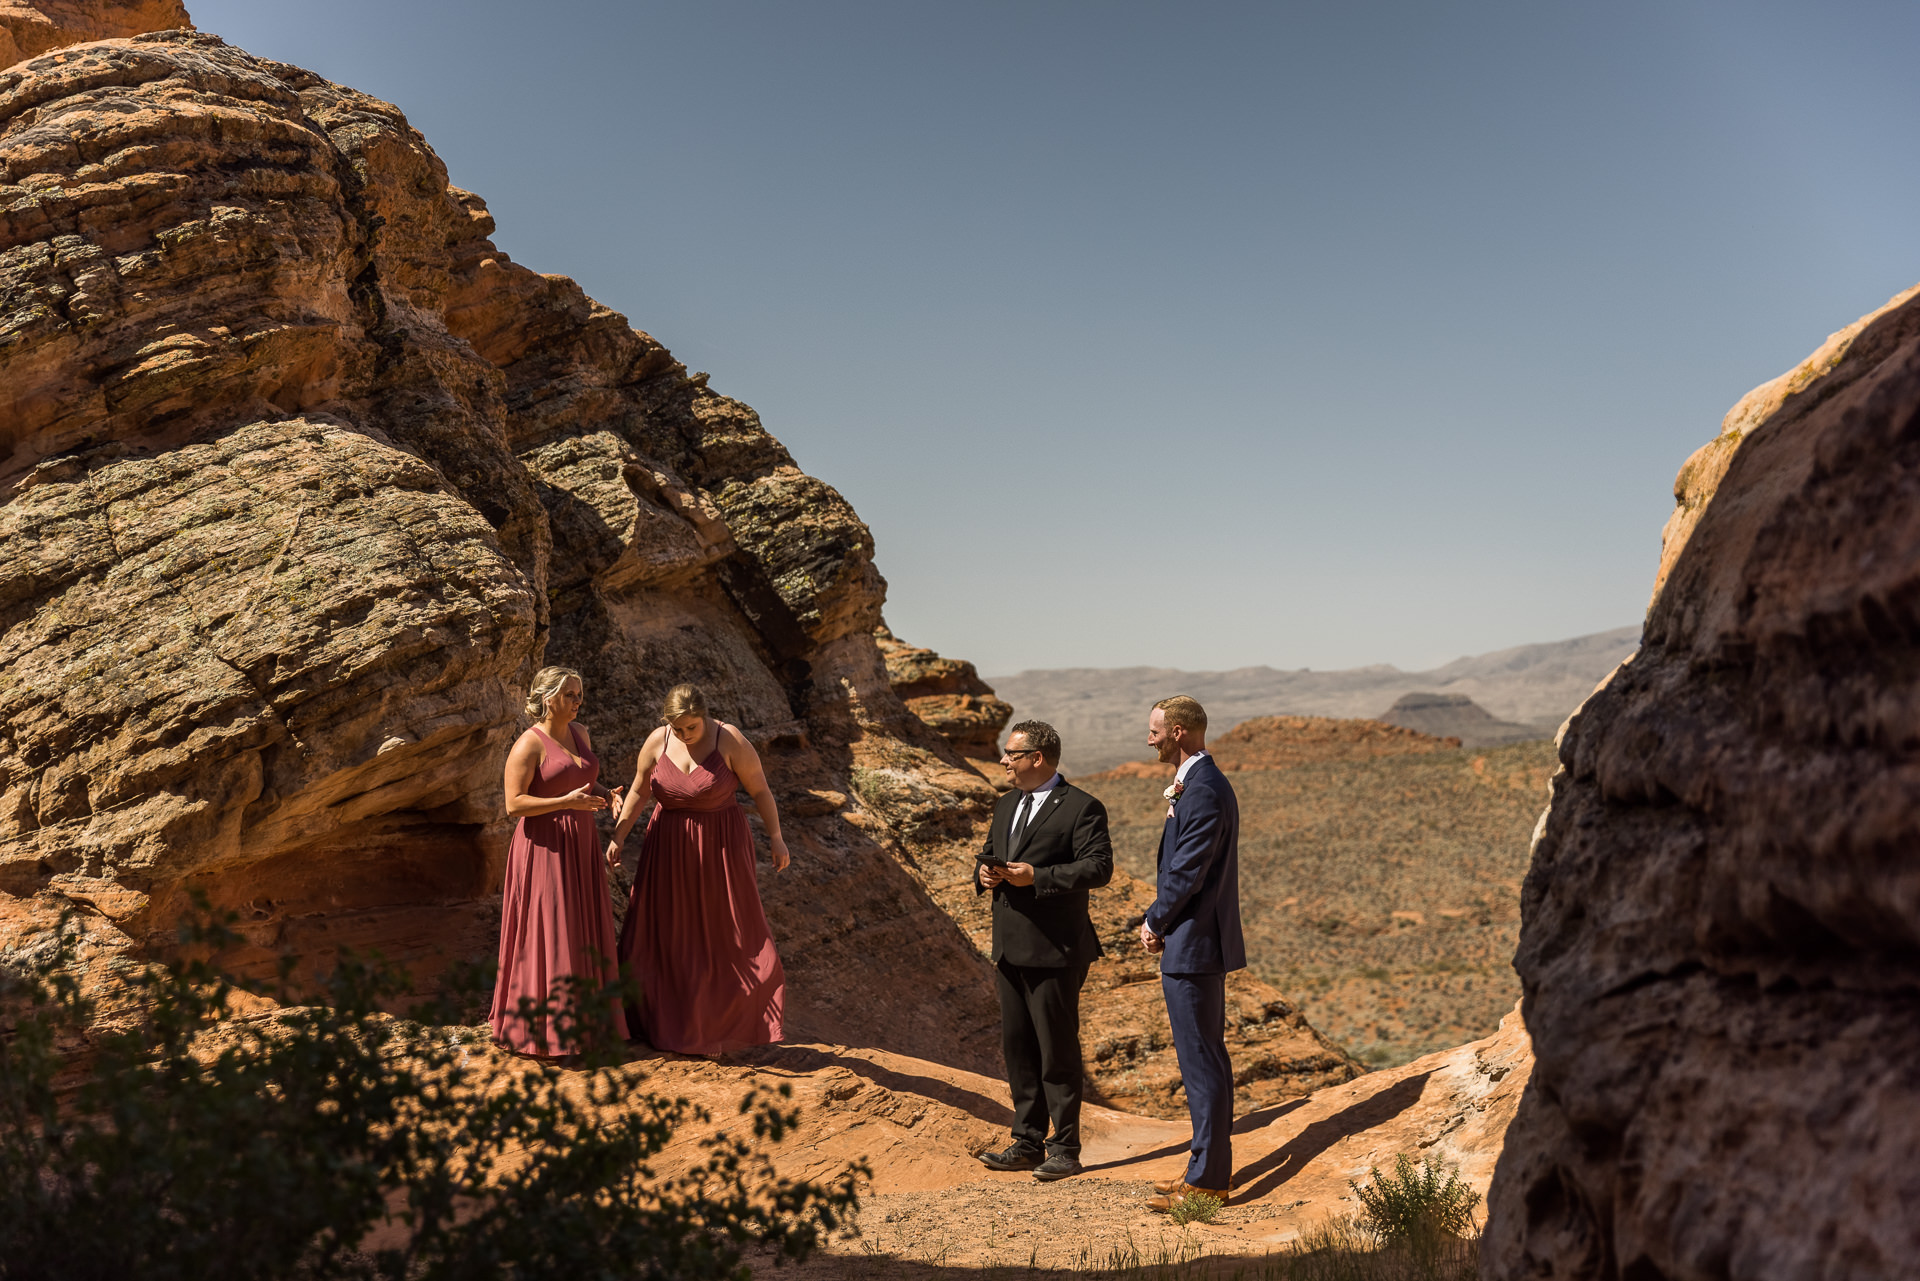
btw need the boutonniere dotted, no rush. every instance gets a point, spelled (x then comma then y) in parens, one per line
(1173, 794)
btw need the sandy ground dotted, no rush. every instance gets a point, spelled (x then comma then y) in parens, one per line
(931, 1206)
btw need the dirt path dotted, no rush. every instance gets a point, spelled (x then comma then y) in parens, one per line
(932, 1205)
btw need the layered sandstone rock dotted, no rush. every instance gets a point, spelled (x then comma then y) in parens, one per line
(303, 478)
(30, 27)
(948, 694)
(1721, 938)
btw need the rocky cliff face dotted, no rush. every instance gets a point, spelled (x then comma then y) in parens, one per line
(948, 694)
(1721, 938)
(30, 27)
(303, 478)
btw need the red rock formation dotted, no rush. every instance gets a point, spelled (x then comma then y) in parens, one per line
(1722, 919)
(950, 697)
(302, 478)
(30, 27)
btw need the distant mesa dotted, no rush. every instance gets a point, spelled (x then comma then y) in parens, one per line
(1458, 717)
(1282, 742)
(1101, 713)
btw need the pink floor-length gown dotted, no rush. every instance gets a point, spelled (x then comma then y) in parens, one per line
(696, 938)
(555, 920)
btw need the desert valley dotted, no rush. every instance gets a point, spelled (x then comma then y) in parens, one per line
(304, 478)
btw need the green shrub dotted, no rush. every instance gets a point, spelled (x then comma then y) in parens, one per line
(161, 1134)
(1195, 1207)
(1416, 1205)
(1344, 1248)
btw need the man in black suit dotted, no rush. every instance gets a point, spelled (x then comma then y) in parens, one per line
(1047, 847)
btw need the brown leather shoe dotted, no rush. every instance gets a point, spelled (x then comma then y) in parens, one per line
(1177, 1191)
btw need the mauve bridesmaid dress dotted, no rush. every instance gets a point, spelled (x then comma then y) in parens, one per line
(696, 937)
(555, 920)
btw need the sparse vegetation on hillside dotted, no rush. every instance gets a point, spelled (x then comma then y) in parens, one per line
(1382, 895)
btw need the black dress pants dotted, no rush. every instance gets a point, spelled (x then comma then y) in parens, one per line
(1040, 1036)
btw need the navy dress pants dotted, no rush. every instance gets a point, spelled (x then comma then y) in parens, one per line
(1197, 1008)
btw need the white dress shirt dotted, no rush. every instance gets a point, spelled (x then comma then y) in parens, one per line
(1180, 776)
(1033, 802)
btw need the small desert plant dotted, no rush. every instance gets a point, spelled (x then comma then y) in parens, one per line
(1195, 1207)
(1416, 1205)
(1346, 1248)
(174, 1135)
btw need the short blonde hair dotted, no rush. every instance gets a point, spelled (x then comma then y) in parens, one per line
(683, 700)
(546, 683)
(1184, 712)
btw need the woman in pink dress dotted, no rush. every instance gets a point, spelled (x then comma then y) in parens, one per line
(555, 920)
(696, 939)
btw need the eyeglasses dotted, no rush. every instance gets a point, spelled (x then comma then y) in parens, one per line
(1021, 751)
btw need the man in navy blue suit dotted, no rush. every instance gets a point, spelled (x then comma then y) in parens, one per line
(1194, 926)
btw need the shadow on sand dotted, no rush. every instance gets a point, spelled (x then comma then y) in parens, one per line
(1256, 1180)
(803, 1060)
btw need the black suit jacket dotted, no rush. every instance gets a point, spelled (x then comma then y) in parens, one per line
(1046, 923)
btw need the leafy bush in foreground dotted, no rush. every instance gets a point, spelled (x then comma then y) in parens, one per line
(1416, 1205)
(331, 1140)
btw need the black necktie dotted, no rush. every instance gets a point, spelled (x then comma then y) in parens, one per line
(1021, 818)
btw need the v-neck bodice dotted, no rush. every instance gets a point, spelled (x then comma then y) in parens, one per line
(562, 771)
(708, 786)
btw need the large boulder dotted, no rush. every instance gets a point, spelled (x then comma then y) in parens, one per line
(1721, 937)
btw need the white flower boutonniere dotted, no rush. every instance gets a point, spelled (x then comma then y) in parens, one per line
(1173, 794)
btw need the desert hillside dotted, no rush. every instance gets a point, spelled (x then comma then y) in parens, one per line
(1101, 712)
(305, 478)
(1380, 872)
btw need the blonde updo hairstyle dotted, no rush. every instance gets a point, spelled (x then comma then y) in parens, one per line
(546, 683)
(683, 700)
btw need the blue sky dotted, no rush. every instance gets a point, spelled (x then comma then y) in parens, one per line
(1197, 335)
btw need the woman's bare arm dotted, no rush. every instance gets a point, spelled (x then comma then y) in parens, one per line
(636, 795)
(745, 764)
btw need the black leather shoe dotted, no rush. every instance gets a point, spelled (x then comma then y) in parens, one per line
(1017, 1157)
(1058, 1166)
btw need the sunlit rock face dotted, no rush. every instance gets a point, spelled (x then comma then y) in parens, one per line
(948, 694)
(301, 479)
(1721, 938)
(30, 27)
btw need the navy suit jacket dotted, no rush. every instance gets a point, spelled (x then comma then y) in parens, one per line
(1196, 908)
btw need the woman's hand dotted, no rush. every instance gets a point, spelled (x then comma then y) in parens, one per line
(582, 798)
(778, 848)
(613, 855)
